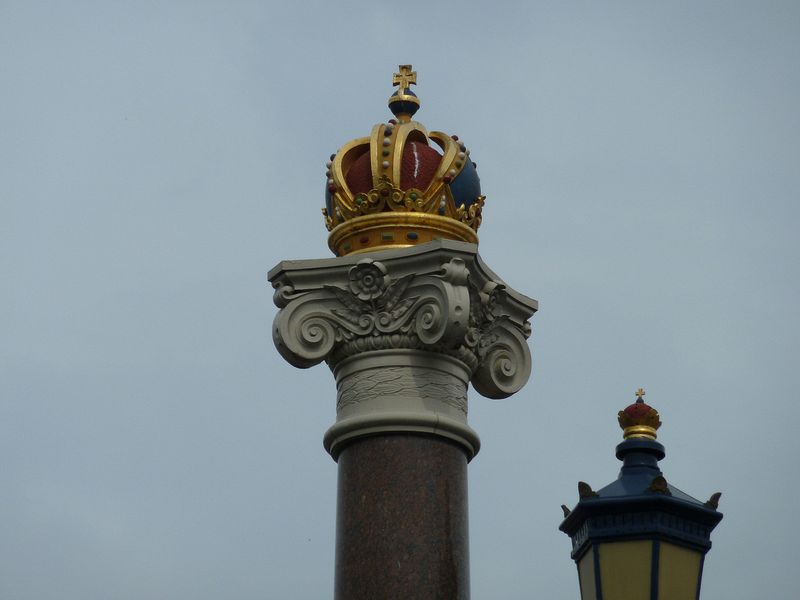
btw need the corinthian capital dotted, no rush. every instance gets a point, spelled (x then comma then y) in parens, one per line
(438, 297)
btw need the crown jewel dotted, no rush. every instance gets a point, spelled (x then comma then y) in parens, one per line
(395, 189)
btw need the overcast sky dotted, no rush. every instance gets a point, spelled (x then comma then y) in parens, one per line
(640, 162)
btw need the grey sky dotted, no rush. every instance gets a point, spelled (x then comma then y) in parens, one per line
(640, 161)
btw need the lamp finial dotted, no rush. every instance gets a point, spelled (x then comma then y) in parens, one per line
(639, 420)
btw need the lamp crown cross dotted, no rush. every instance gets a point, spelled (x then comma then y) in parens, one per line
(405, 77)
(639, 393)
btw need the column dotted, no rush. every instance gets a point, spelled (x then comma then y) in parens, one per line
(404, 332)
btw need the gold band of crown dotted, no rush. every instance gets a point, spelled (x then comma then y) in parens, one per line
(382, 231)
(639, 431)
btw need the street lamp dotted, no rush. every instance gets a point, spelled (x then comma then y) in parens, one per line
(640, 538)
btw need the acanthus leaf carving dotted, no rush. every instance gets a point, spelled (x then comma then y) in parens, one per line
(375, 303)
(392, 297)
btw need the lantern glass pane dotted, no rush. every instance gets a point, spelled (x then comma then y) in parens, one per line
(625, 569)
(678, 572)
(586, 576)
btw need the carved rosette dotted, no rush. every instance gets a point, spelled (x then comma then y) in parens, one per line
(366, 317)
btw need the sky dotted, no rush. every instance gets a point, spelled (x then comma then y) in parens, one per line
(640, 163)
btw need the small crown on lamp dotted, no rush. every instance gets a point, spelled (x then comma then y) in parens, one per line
(394, 189)
(639, 420)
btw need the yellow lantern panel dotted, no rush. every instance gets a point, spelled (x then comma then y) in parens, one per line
(679, 572)
(625, 569)
(586, 576)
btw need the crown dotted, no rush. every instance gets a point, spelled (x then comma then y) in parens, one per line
(394, 189)
(639, 419)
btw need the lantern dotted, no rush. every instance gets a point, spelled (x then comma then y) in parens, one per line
(640, 537)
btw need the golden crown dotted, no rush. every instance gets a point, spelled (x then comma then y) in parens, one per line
(639, 420)
(393, 189)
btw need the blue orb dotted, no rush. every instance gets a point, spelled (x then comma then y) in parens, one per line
(466, 187)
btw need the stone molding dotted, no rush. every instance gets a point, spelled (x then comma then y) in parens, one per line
(401, 390)
(396, 382)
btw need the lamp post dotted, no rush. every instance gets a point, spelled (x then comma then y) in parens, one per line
(640, 538)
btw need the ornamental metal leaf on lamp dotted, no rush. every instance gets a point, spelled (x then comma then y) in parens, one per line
(640, 537)
(401, 186)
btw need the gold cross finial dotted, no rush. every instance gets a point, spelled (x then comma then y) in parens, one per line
(639, 393)
(404, 78)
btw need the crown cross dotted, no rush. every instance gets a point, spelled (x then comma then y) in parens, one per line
(405, 77)
(639, 393)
